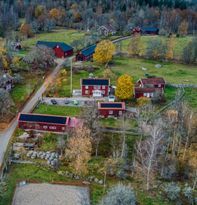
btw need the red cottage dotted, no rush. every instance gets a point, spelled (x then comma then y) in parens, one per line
(61, 50)
(146, 92)
(40, 122)
(92, 85)
(86, 54)
(151, 82)
(107, 109)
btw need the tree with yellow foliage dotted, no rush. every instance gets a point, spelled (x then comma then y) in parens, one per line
(170, 48)
(3, 58)
(136, 46)
(26, 30)
(104, 52)
(183, 28)
(124, 87)
(39, 10)
(143, 101)
(78, 151)
(55, 13)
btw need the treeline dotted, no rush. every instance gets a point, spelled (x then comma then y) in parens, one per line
(89, 14)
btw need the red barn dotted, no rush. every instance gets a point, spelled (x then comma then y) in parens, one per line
(89, 85)
(86, 54)
(107, 109)
(136, 30)
(40, 122)
(61, 50)
(151, 83)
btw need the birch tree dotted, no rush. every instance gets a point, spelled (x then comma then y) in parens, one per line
(148, 152)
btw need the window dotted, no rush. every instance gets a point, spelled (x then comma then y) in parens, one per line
(97, 87)
(87, 92)
(145, 94)
(103, 86)
(86, 87)
(120, 112)
(111, 112)
(159, 85)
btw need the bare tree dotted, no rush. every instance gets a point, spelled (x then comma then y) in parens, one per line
(148, 152)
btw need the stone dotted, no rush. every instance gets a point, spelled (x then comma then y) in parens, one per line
(100, 181)
(158, 66)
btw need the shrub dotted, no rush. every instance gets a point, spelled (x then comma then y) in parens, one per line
(143, 101)
(120, 195)
(172, 191)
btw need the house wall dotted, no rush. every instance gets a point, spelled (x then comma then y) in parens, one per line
(110, 112)
(59, 53)
(88, 90)
(41, 126)
(68, 53)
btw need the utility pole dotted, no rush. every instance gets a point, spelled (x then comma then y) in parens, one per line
(71, 76)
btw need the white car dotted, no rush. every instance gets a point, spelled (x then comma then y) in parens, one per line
(111, 98)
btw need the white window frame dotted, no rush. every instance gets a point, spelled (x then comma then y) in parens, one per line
(111, 112)
(103, 87)
(86, 87)
(86, 92)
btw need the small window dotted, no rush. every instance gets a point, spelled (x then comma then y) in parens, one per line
(103, 86)
(159, 85)
(86, 87)
(87, 92)
(111, 112)
(145, 94)
(120, 112)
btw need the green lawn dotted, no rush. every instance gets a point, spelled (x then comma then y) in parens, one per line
(171, 72)
(58, 110)
(63, 35)
(180, 43)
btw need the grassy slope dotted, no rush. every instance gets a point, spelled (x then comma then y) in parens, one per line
(180, 43)
(63, 35)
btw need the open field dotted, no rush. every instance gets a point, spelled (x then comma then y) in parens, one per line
(171, 72)
(63, 35)
(180, 43)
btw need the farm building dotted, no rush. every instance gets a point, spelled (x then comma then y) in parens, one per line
(136, 30)
(156, 82)
(107, 109)
(150, 30)
(91, 86)
(6, 82)
(147, 92)
(86, 54)
(40, 122)
(60, 49)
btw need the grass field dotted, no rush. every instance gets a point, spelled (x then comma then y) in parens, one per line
(63, 35)
(180, 43)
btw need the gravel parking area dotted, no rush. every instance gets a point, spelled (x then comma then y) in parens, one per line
(51, 194)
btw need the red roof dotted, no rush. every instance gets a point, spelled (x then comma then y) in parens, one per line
(153, 81)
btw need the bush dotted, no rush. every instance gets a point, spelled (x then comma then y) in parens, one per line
(120, 195)
(143, 101)
(172, 191)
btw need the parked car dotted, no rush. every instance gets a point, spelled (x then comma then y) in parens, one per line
(54, 102)
(66, 101)
(75, 102)
(111, 98)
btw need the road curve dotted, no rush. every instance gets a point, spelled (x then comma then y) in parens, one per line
(6, 135)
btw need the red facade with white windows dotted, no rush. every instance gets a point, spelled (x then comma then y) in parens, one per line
(59, 53)
(111, 109)
(88, 86)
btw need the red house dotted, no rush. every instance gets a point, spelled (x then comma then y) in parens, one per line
(146, 92)
(136, 30)
(61, 50)
(40, 122)
(86, 54)
(90, 85)
(107, 109)
(156, 82)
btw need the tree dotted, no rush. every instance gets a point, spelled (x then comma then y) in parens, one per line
(55, 13)
(156, 49)
(183, 28)
(142, 101)
(6, 102)
(104, 52)
(124, 87)
(190, 52)
(135, 46)
(40, 58)
(170, 48)
(148, 152)
(78, 151)
(119, 195)
(26, 30)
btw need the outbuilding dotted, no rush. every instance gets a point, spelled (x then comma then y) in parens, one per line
(39, 122)
(89, 86)
(150, 30)
(107, 109)
(86, 54)
(60, 49)
(153, 82)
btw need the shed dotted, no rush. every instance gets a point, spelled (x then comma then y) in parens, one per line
(107, 109)
(150, 30)
(86, 54)
(60, 49)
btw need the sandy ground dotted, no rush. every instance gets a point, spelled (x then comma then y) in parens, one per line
(51, 194)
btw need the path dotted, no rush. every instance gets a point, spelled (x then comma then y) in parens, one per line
(6, 135)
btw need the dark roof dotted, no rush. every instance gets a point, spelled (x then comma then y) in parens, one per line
(112, 105)
(151, 29)
(153, 81)
(49, 44)
(95, 81)
(43, 118)
(89, 50)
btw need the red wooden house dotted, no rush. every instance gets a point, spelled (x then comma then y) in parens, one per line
(156, 82)
(61, 50)
(107, 109)
(40, 122)
(90, 85)
(86, 54)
